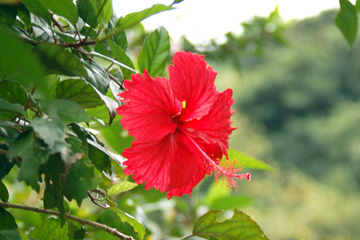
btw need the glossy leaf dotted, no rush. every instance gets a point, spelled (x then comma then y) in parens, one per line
(4, 194)
(120, 187)
(50, 229)
(125, 217)
(240, 226)
(13, 92)
(65, 8)
(99, 159)
(7, 220)
(79, 91)
(121, 56)
(248, 161)
(97, 76)
(136, 17)
(38, 8)
(87, 12)
(59, 61)
(154, 53)
(103, 9)
(346, 20)
(33, 153)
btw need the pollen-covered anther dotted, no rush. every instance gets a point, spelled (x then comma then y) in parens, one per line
(227, 173)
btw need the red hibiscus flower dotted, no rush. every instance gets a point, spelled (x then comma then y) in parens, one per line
(181, 125)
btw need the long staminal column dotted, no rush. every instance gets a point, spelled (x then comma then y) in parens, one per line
(230, 172)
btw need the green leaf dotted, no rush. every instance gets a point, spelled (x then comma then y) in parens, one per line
(50, 229)
(13, 92)
(240, 226)
(79, 91)
(103, 9)
(37, 8)
(136, 17)
(59, 61)
(18, 63)
(110, 106)
(99, 159)
(65, 8)
(346, 20)
(120, 187)
(4, 194)
(97, 76)
(125, 217)
(68, 111)
(155, 52)
(10, 235)
(9, 110)
(5, 165)
(121, 56)
(249, 162)
(8, 14)
(85, 180)
(357, 5)
(87, 12)
(51, 131)
(33, 153)
(7, 220)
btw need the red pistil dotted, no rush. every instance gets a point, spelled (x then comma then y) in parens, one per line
(228, 173)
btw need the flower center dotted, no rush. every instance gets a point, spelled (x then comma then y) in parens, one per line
(228, 173)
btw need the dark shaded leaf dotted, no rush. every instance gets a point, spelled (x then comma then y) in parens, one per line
(59, 61)
(8, 14)
(79, 91)
(13, 92)
(99, 159)
(87, 12)
(121, 40)
(346, 20)
(50, 229)
(37, 8)
(7, 220)
(65, 8)
(4, 194)
(240, 226)
(24, 14)
(110, 105)
(5, 165)
(33, 153)
(155, 51)
(81, 179)
(121, 56)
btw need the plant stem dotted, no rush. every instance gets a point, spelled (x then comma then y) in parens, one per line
(112, 231)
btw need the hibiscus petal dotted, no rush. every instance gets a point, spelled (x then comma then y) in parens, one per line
(193, 82)
(215, 127)
(165, 164)
(149, 105)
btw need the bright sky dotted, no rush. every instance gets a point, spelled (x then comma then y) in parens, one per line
(201, 20)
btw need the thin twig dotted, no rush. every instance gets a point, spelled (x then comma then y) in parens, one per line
(112, 231)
